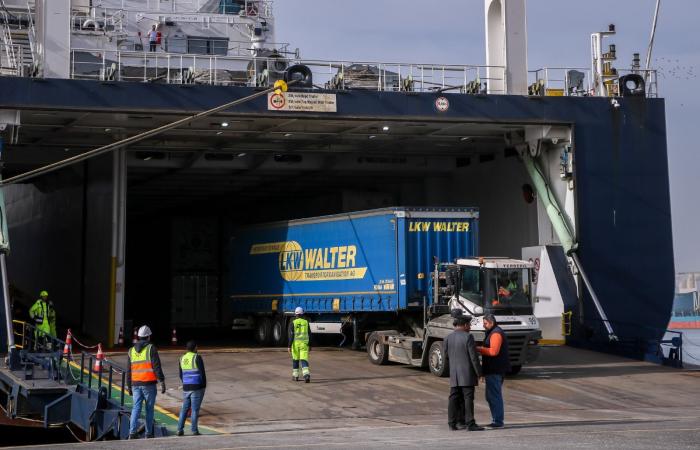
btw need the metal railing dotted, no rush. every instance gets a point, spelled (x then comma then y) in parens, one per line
(259, 71)
(562, 81)
(261, 8)
(38, 347)
(13, 60)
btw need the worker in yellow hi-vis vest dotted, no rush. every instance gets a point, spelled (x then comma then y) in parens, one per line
(299, 346)
(44, 316)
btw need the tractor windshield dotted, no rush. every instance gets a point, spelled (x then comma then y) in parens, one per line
(506, 291)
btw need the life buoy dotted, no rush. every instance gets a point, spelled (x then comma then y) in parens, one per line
(301, 74)
(159, 36)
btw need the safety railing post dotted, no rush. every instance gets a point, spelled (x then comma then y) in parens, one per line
(145, 64)
(109, 380)
(82, 366)
(123, 388)
(89, 375)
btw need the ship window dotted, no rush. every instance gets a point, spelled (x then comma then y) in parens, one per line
(200, 46)
(230, 6)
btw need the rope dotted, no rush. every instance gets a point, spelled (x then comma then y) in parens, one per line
(80, 343)
(74, 435)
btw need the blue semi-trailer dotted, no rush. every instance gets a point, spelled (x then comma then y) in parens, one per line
(370, 275)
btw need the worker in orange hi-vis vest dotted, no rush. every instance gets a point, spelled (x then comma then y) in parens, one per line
(143, 374)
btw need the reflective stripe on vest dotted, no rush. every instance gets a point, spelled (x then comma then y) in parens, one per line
(190, 371)
(141, 365)
(301, 330)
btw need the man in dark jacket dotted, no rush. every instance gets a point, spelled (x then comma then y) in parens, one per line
(143, 372)
(496, 365)
(194, 382)
(465, 371)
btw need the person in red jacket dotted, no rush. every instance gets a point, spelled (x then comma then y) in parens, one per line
(495, 365)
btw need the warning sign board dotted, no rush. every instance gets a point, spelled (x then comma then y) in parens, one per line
(302, 101)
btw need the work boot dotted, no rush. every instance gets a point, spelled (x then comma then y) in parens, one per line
(196, 433)
(307, 378)
(180, 433)
(475, 427)
(133, 436)
(150, 436)
(295, 378)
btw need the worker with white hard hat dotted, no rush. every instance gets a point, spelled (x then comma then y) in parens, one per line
(143, 373)
(299, 346)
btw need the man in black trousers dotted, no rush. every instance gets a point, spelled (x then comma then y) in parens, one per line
(465, 371)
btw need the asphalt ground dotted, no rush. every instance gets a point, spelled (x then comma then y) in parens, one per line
(569, 399)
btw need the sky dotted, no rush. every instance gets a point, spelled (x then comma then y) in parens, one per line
(452, 32)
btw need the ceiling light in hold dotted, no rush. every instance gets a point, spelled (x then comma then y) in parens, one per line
(385, 128)
(288, 134)
(241, 155)
(219, 133)
(465, 138)
(224, 124)
(372, 136)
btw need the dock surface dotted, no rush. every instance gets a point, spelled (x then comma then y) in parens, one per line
(570, 398)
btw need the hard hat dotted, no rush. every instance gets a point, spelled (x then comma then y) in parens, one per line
(144, 331)
(299, 311)
(43, 294)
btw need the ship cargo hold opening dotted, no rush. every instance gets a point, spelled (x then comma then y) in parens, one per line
(188, 191)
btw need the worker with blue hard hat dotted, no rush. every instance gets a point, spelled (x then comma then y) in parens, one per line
(299, 346)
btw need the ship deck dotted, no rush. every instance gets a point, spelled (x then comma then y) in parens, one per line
(569, 398)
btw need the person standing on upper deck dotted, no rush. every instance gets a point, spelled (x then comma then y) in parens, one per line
(152, 39)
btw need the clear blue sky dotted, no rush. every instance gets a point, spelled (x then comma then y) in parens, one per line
(452, 31)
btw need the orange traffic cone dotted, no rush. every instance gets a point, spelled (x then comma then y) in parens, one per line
(69, 344)
(135, 338)
(98, 359)
(120, 341)
(173, 339)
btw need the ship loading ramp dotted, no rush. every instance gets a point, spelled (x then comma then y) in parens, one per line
(137, 236)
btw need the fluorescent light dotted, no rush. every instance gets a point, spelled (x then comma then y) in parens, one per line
(466, 138)
(241, 155)
(224, 124)
(372, 136)
(219, 132)
(288, 134)
(385, 128)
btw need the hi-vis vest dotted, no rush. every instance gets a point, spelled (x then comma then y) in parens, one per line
(190, 371)
(301, 330)
(141, 365)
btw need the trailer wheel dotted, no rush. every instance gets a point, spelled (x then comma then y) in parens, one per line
(377, 352)
(439, 366)
(280, 333)
(263, 331)
(514, 370)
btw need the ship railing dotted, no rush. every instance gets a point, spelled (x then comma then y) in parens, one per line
(99, 19)
(410, 77)
(12, 60)
(560, 81)
(36, 347)
(247, 8)
(246, 70)
(577, 81)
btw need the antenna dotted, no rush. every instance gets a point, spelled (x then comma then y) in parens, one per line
(651, 41)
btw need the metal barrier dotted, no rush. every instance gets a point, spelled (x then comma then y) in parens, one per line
(174, 68)
(51, 382)
(577, 81)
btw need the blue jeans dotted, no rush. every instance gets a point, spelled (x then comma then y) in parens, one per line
(147, 394)
(193, 400)
(494, 397)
